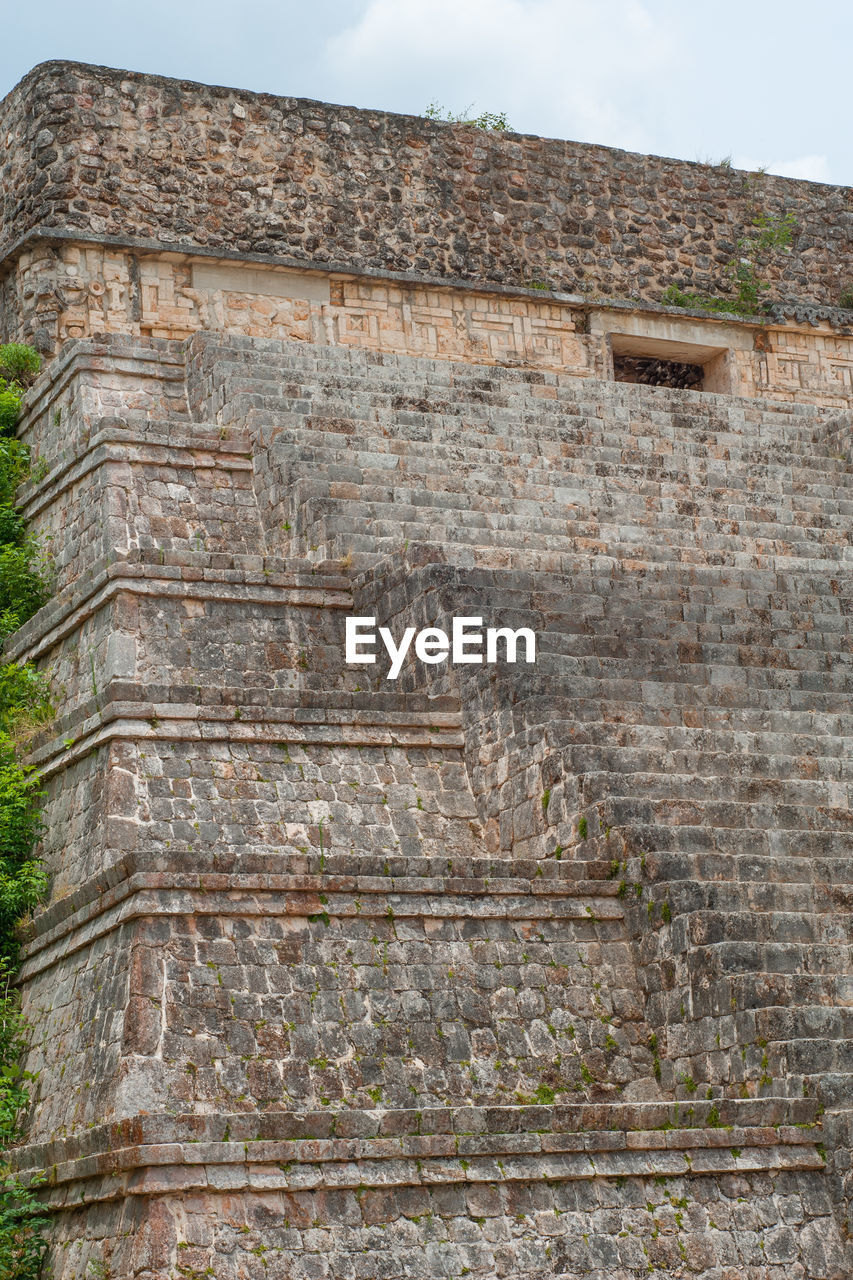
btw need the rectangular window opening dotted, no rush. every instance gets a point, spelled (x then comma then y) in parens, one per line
(651, 371)
(660, 362)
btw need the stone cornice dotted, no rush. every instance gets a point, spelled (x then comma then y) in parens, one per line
(433, 1146)
(152, 894)
(785, 313)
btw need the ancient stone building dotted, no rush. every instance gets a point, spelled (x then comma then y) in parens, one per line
(502, 971)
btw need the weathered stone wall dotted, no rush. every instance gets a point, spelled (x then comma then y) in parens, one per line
(100, 154)
(494, 971)
(56, 293)
(760, 1226)
(467, 963)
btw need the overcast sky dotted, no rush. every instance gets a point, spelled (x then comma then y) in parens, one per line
(767, 83)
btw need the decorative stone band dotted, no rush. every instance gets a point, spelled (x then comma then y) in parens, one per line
(155, 1154)
(349, 725)
(335, 871)
(112, 291)
(200, 576)
(147, 894)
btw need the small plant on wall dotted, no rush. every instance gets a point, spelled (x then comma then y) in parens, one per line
(493, 122)
(768, 234)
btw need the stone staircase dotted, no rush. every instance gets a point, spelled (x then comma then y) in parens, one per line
(532, 462)
(694, 671)
(416, 976)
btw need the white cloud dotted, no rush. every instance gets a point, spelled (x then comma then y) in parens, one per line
(565, 67)
(813, 168)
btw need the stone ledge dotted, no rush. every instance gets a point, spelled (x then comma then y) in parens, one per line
(285, 1150)
(170, 1169)
(179, 577)
(348, 724)
(316, 872)
(236, 703)
(769, 1120)
(119, 444)
(158, 894)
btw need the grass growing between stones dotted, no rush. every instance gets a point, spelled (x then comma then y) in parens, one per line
(24, 704)
(767, 235)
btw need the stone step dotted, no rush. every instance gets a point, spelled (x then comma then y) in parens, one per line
(612, 635)
(724, 959)
(718, 897)
(344, 530)
(576, 578)
(425, 383)
(734, 923)
(426, 397)
(578, 478)
(715, 1006)
(802, 529)
(320, 519)
(660, 439)
(738, 723)
(572, 490)
(706, 765)
(362, 542)
(740, 698)
(610, 648)
(793, 753)
(749, 1032)
(724, 797)
(776, 852)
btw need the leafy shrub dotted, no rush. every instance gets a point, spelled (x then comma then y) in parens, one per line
(24, 699)
(846, 299)
(10, 405)
(22, 877)
(675, 297)
(24, 703)
(23, 1225)
(19, 363)
(24, 584)
(493, 122)
(14, 469)
(23, 1222)
(24, 578)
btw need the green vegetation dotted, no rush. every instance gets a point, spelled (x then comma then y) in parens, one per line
(19, 366)
(846, 299)
(23, 570)
(653, 1046)
(492, 122)
(768, 233)
(24, 704)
